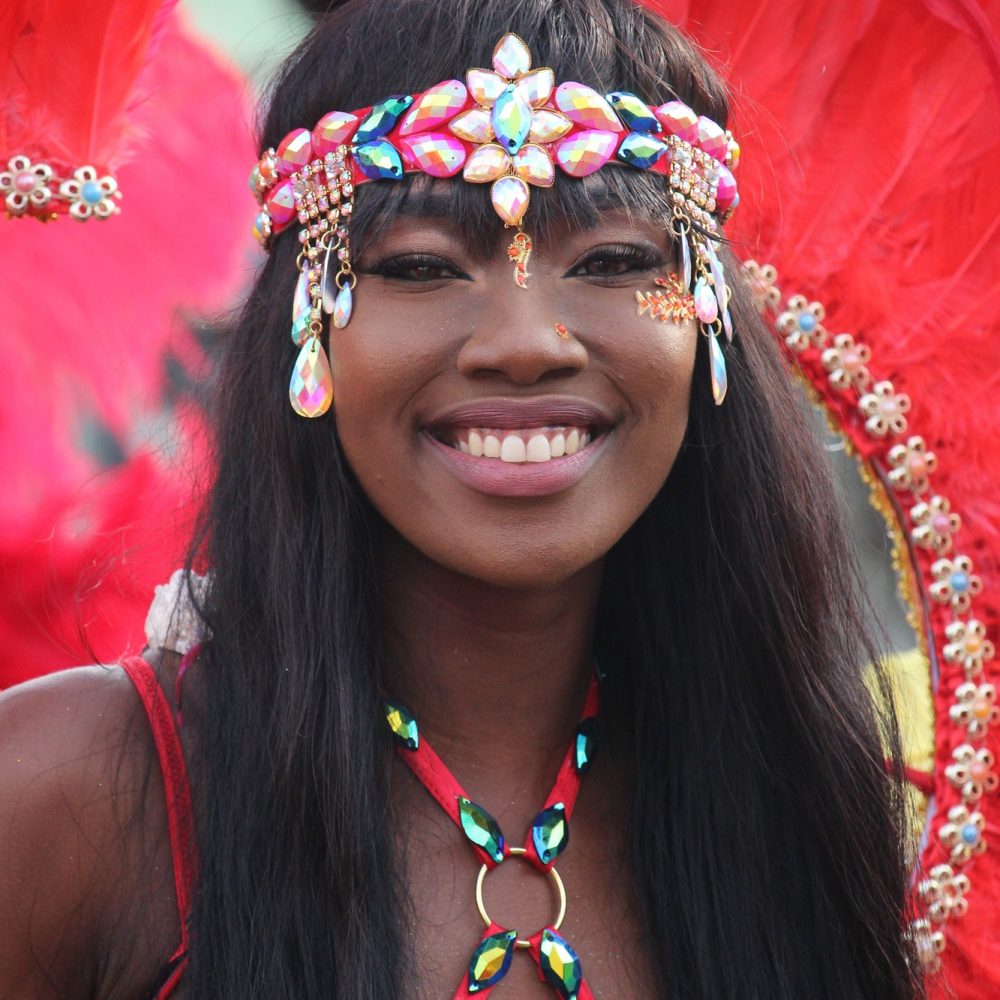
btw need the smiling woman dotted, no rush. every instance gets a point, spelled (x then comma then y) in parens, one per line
(552, 501)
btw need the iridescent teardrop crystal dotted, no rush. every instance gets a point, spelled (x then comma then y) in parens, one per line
(536, 87)
(301, 309)
(379, 160)
(311, 387)
(294, 151)
(705, 303)
(472, 125)
(403, 725)
(548, 125)
(281, 203)
(550, 833)
(382, 118)
(712, 139)
(678, 119)
(434, 107)
(332, 130)
(717, 368)
(584, 152)
(721, 290)
(560, 965)
(685, 261)
(584, 745)
(343, 305)
(641, 150)
(511, 57)
(586, 107)
(510, 196)
(435, 153)
(491, 960)
(486, 164)
(481, 828)
(511, 120)
(633, 111)
(328, 285)
(485, 86)
(533, 164)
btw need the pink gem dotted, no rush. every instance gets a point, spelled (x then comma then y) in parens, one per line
(678, 119)
(705, 303)
(281, 203)
(978, 771)
(311, 387)
(942, 524)
(434, 107)
(711, 139)
(586, 107)
(584, 152)
(533, 164)
(510, 197)
(726, 194)
(26, 181)
(331, 131)
(294, 151)
(435, 153)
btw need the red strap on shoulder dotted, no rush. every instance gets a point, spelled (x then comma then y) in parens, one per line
(180, 819)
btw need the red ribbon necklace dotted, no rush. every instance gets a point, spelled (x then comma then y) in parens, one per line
(558, 964)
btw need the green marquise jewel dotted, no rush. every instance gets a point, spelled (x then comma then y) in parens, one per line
(403, 725)
(481, 828)
(550, 833)
(491, 960)
(560, 965)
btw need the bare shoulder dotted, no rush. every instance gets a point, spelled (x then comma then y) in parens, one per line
(75, 756)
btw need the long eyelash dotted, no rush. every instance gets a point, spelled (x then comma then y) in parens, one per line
(394, 266)
(623, 251)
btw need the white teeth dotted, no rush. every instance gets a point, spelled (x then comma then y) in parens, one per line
(572, 442)
(463, 447)
(512, 449)
(558, 446)
(491, 446)
(584, 439)
(538, 449)
(475, 443)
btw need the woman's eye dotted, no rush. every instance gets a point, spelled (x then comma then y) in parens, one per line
(611, 262)
(416, 268)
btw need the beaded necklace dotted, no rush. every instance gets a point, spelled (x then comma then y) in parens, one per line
(558, 964)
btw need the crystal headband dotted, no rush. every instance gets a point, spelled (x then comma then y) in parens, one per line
(508, 127)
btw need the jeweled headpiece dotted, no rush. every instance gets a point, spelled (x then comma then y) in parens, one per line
(508, 127)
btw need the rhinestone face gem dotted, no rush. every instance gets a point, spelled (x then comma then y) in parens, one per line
(343, 306)
(332, 130)
(560, 965)
(301, 309)
(678, 119)
(550, 833)
(584, 745)
(485, 86)
(294, 151)
(533, 164)
(511, 56)
(712, 139)
(403, 725)
(548, 125)
(633, 111)
(586, 107)
(511, 119)
(581, 154)
(382, 118)
(379, 160)
(536, 87)
(434, 107)
(435, 153)
(481, 828)
(281, 203)
(486, 163)
(717, 367)
(473, 125)
(311, 387)
(491, 960)
(641, 150)
(510, 196)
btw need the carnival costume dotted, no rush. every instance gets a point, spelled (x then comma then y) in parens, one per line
(514, 127)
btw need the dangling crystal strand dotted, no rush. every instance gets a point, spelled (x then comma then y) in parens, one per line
(685, 259)
(717, 368)
(342, 307)
(311, 387)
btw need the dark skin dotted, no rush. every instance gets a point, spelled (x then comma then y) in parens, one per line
(488, 605)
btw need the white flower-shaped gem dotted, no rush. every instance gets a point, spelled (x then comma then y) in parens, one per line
(911, 464)
(935, 524)
(975, 708)
(972, 772)
(802, 323)
(928, 944)
(763, 284)
(510, 128)
(25, 185)
(943, 893)
(968, 646)
(847, 363)
(90, 194)
(963, 834)
(884, 409)
(955, 583)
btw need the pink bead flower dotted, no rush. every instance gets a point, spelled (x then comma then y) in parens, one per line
(972, 772)
(884, 410)
(847, 363)
(25, 185)
(943, 893)
(911, 464)
(934, 524)
(763, 285)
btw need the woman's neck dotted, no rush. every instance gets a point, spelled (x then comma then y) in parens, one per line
(495, 676)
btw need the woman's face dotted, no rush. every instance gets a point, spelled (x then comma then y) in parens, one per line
(446, 363)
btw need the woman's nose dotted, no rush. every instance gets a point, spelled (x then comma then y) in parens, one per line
(521, 342)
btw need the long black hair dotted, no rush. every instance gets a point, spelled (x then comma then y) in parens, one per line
(766, 834)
